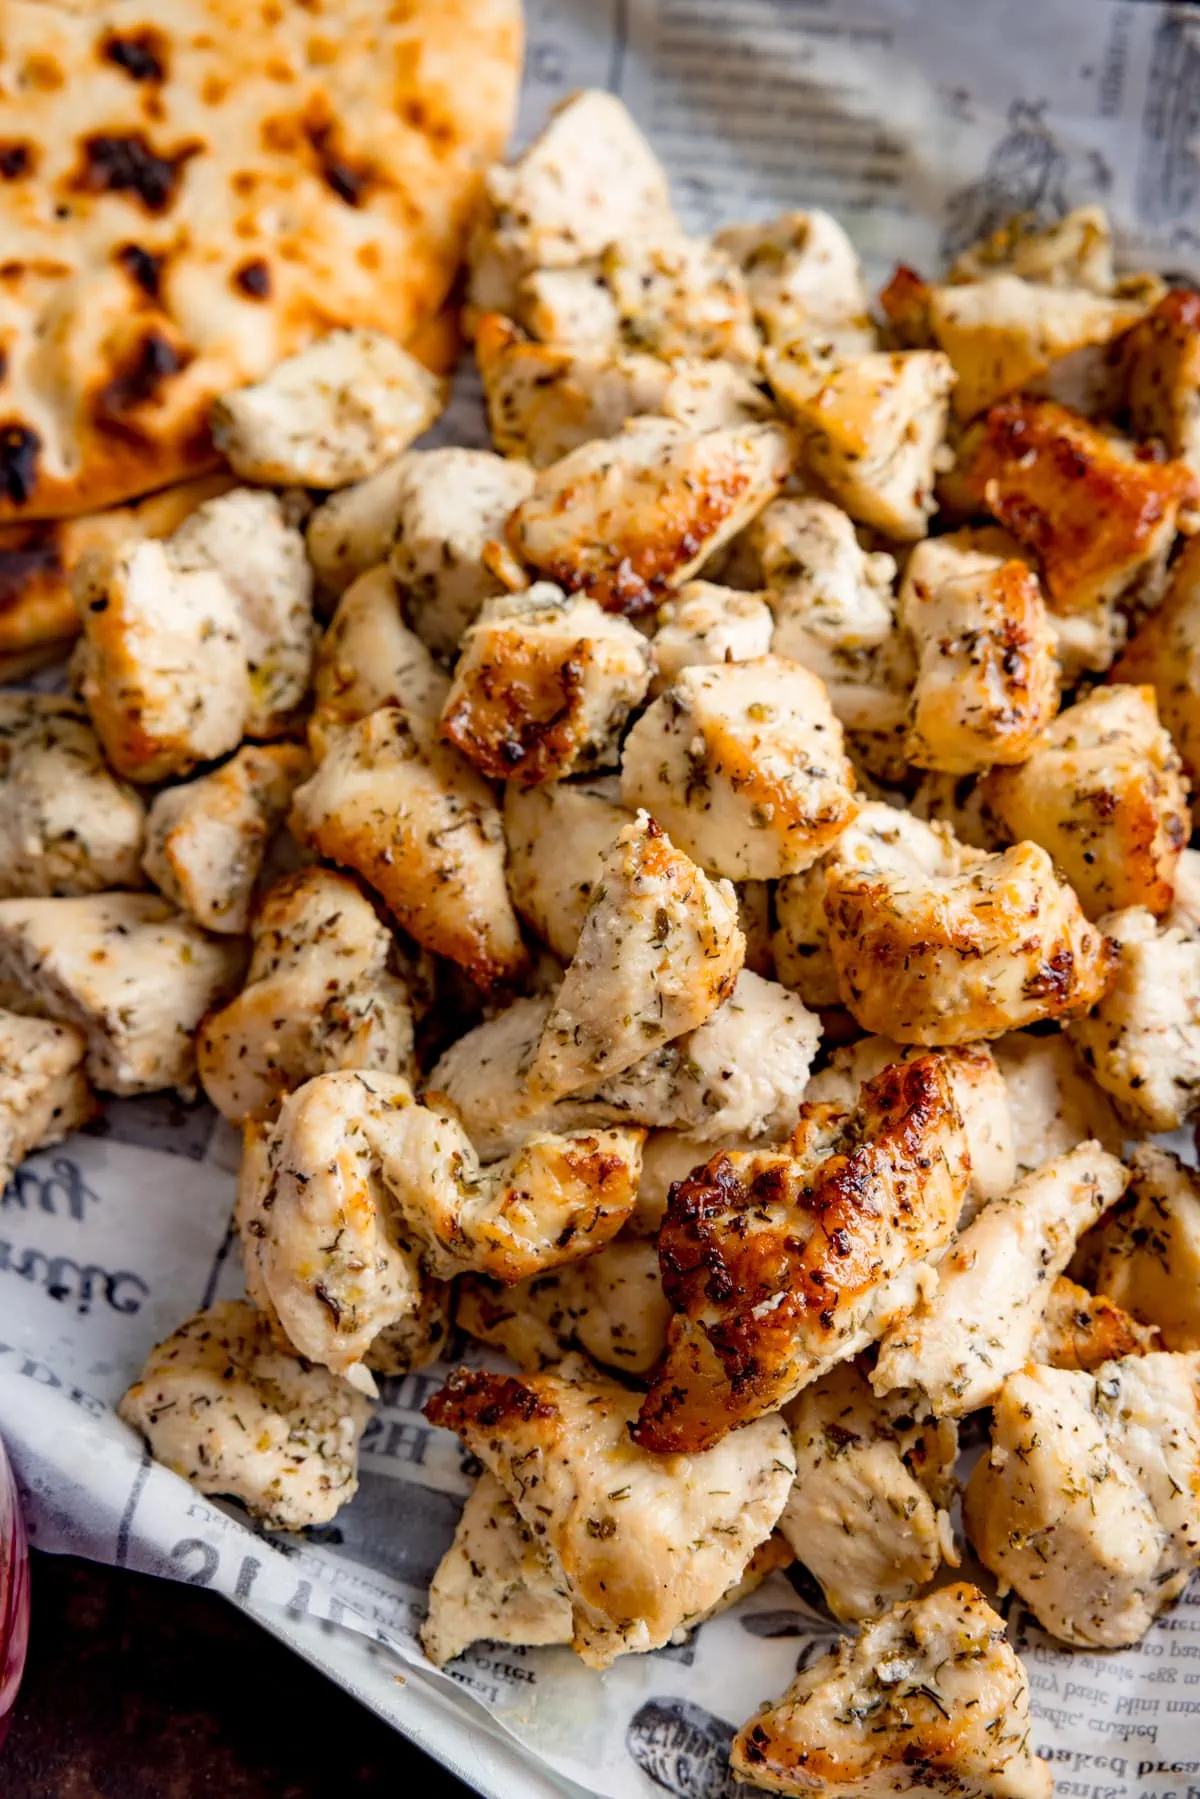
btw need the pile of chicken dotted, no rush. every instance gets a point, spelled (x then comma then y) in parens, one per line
(819, 883)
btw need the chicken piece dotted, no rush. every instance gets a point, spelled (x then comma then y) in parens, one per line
(642, 1546)
(351, 532)
(660, 950)
(709, 395)
(1082, 1330)
(1099, 519)
(67, 824)
(680, 296)
(330, 415)
(703, 624)
(206, 839)
(833, 604)
(930, 1699)
(1141, 1039)
(632, 516)
(558, 836)
(743, 764)
(987, 669)
(127, 970)
(938, 944)
(1051, 1102)
(44, 1094)
(868, 1515)
(1162, 374)
(978, 1326)
(1087, 1504)
(453, 502)
(800, 940)
(804, 278)
(369, 658)
(1074, 251)
(543, 686)
(413, 818)
(493, 1583)
(611, 1306)
(324, 991)
(570, 309)
(781, 1263)
(1166, 653)
(246, 538)
(162, 665)
(1145, 1256)
(872, 427)
(360, 1192)
(220, 1403)
(1103, 792)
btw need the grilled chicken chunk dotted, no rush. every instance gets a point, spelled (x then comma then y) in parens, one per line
(703, 624)
(781, 1263)
(127, 970)
(642, 1545)
(324, 991)
(678, 296)
(412, 817)
(44, 1094)
(931, 1699)
(804, 278)
(1145, 1256)
(669, 1156)
(1051, 1102)
(352, 531)
(558, 836)
(1074, 251)
(1166, 653)
(493, 1583)
(800, 940)
(1162, 375)
(369, 658)
(1082, 1330)
(570, 309)
(832, 600)
(222, 1404)
(1087, 1504)
(67, 824)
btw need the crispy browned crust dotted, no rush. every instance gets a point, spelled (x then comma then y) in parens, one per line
(1162, 355)
(904, 300)
(519, 723)
(753, 1300)
(1081, 1330)
(475, 1399)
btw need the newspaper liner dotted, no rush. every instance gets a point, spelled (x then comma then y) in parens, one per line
(878, 112)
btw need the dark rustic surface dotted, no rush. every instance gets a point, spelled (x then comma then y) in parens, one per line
(141, 1689)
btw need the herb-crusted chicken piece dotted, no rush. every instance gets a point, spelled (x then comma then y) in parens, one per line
(781, 1263)
(805, 280)
(351, 532)
(832, 600)
(1082, 1330)
(324, 991)
(678, 296)
(800, 940)
(930, 1699)
(1145, 1256)
(1162, 375)
(369, 658)
(222, 1404)
(558, 836)
(1052, 1103)
(643, 1546)
(1166, 653)
(44, 1093)
(67, 824)
(704, 623)
(1074, 251)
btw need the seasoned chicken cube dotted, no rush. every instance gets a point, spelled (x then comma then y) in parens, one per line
(804, 277)
(681, 296)
(558, 836)
(369, 658)
(935, 943)
(872, 427)
(1087, 1504)
(452, 504)
(1141, 1040)
(126, 969)
(800, 940)
(543, 686)
(707, 395)
(222, 1404)
(1081, 1330)
(206, 839)
(781, 1263)
(632, 516)
(1145, 1256)
(832, 600)
(978, 1326)
(1162, 373)
(643, 1546)
(1074, 251)
(412, 817)
(67, 824)
(1103, 792)
(1051, 1102)
(704, 623)
(669, 1156)
(868, 1515)
(743, 764)
(331, 415)
(947, 1702)
(570, 309)
(987, 669)
(162, 665)
(44, 1094)
(660, 950)
(324, 990)
(352, 531)
(1099, 519)
(1166, 653)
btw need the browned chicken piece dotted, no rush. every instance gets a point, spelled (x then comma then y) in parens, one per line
(558, 836)
(352, 531)
(67, 824)
(626, 519)
(743, 763)
(1081, 1330)
(369, 658)
(222, 1404)
(709, 395)
(678, 296)
(660, 950)
(643, 1545)
(412, 817)
(1145, 1256)
(44, 1093)
(126, 969)
(704, 623)
(781, 1263)
(1166, 652)
(931, 1699)
(805, 281)
(324, 990)
(1162, 374)
(832, 600)
(1100, 519)
(206, 839)
(1052, 1102)
(1074, 251)
(543, 686)
(1104, 793)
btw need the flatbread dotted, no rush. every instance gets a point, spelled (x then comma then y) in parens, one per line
(192, 189)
